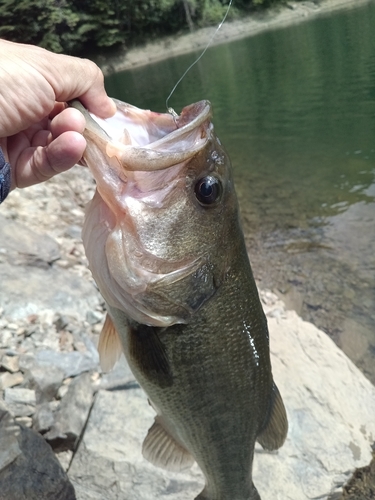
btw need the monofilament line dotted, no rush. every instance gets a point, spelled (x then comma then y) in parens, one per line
(171, 110)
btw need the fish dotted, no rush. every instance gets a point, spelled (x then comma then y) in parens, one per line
(165, 246)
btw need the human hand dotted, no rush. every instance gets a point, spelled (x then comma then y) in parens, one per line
(38, 135)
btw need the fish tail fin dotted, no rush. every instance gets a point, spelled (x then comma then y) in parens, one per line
(275, 428)
(109, 345)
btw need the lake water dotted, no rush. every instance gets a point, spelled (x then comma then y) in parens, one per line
(295, 108)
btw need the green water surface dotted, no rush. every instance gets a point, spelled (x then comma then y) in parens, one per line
(295, 108)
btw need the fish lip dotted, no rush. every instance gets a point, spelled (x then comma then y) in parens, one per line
(205, 114)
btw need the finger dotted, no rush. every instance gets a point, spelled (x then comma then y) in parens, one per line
(68, 119)
(76, 77)
(41, 138)
(40, 164)
(58, 107)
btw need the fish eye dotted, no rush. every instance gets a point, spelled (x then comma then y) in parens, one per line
(208, 190)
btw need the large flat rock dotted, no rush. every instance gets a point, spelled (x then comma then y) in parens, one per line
(331, 408)
(28, 290)
(31, 283)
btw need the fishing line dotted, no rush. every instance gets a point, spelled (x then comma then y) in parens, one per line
(171, 110)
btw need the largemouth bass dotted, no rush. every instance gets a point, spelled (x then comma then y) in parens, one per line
(166, 249)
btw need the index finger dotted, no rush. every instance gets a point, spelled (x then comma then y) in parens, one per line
(73, 77)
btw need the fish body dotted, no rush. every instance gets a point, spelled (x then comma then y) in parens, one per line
(165, 246)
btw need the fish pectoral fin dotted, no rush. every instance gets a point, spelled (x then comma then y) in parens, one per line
(275, 428)
(162, 450)
(149, 354)
(109, 345)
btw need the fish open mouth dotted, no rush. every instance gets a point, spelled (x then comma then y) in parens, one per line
(142, 140)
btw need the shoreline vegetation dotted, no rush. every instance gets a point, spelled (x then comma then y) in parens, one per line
(277, 16)
(127, 34)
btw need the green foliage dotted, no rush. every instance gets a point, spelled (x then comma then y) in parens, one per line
(75, 26)
(42, 22)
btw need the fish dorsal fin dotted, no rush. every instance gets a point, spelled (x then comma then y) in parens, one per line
(109, 345)
(275, 429)
(162, 450)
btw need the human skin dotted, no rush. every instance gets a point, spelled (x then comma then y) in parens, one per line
(39, 136)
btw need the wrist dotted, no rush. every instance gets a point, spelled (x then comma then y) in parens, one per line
(5, 177)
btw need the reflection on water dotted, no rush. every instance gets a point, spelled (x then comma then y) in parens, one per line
(296, 110)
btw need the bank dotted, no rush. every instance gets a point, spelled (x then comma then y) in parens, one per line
(273, 18)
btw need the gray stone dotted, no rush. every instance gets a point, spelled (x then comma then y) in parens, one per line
(34, 289)
(65, 458)
(43, 418)
(62, 391)
(10, 380)
(70, 363)
(25, 421)
(93, 317)
(72, 414)
(20, 395)
(20, 410)
(29, 469)
(10, 363)
(9, 448)
(20, 402)
(73, 231)
(22, 246)
(45, 381)
(27, 361)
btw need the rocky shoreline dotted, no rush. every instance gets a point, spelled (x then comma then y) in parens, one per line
(279, 16)
(53, 395)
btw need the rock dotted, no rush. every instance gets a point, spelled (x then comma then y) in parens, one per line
(70, 363)
(24, 292)
(43, 418)
(22, 246)
(10, 363)
(20, 396)
(72, 414)
(45, 382)
(25, 421)
(20, 410)
(62, 391)
(61, 322)
(93, 317)
(9, 448)
(29, 469)
(20, 402)
(73, 231)
(27, 361)
(10, 380)
(65, 458)
(330, 405)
